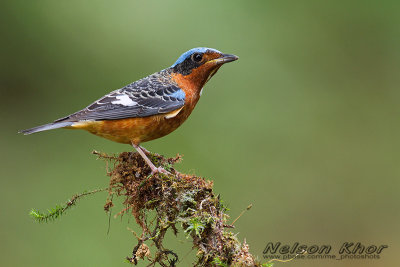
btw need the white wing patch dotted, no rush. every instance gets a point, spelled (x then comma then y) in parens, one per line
(124, 100)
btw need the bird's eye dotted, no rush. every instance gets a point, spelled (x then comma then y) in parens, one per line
(197, 57)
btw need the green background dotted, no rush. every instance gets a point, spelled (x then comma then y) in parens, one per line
(305, 126)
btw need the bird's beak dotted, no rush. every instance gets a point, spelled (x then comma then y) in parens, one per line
(225, 58)
(228, 58)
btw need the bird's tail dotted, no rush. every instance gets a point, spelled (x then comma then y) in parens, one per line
(49, 126)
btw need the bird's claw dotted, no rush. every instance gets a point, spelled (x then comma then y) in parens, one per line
(159, 170)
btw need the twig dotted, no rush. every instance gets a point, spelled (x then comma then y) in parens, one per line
(248, 208)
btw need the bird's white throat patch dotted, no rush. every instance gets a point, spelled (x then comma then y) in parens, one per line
(173, 113)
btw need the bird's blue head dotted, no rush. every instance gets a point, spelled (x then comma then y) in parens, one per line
(207, 58)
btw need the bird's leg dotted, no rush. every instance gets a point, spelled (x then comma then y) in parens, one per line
(145, 150)
(148, 152)
(153, 168)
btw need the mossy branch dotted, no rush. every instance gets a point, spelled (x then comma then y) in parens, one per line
(161, 203)
(179, 201)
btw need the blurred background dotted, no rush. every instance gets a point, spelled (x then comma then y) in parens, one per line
(305, 126)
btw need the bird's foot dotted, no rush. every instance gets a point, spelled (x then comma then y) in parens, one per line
(155, 170)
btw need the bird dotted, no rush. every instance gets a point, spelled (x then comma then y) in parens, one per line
(149, 108)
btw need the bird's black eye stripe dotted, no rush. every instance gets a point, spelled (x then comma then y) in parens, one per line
(197, 57)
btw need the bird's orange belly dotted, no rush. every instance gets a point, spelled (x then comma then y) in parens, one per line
(136, 130)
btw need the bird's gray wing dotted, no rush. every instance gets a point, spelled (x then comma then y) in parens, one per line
(146, 97)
